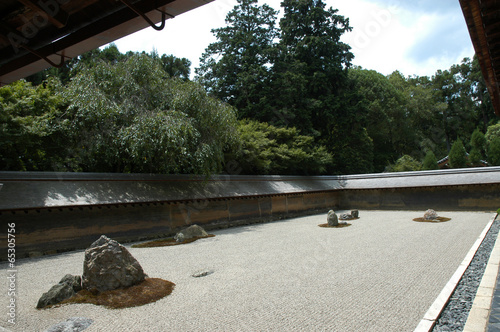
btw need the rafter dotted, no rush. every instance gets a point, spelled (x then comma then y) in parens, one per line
(55, 14)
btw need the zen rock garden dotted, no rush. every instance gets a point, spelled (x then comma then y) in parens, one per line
(109, 267)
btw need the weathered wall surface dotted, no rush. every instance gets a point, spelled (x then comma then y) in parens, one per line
(58, 212)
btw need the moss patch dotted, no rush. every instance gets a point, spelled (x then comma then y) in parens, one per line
(168, 242)
(438, 219)
(150, 290)
(338, 226)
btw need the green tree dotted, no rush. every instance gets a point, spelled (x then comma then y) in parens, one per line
(73, 66)
(492, 132)
(29, 127)
(266, 149)
(493, 144)
(430, 161)
(176, 67)
(236, 68)
(405, 164)
(478, 146)
(494, 152)
(130, 117)
(458, 155)
(463, 90)
(478, 140)
(310, 74)
(475, 157)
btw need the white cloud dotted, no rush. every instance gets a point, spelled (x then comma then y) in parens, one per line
(414, 37)
(417, 40)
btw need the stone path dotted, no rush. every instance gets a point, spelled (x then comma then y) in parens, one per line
(380, 274)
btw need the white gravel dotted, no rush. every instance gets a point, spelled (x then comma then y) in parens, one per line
(380, 274)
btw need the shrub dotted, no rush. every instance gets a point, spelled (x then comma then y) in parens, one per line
(492, 132)
(494, 152)
(405, 164)
(475, 157)
(458, 155)
(430, 161)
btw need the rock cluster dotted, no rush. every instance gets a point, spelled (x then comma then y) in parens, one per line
(190, 232)
(347, 216)
(107, 265)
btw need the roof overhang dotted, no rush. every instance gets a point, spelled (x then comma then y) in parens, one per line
(36, 34)
(483, 22)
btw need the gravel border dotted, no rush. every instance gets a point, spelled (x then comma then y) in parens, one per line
(455, 313)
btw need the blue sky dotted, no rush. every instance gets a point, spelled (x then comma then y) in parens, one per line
(415, 37)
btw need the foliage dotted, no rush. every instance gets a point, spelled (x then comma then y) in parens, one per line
(236, 68)
(310, 73)
(463, 90)
(494, 152)
(129, 117)
(478, 146)
(352, 154)
(175, 67)
(475, 157)
(458, 155)
(492, 132)
(266, 149)
(30, 135)
(430, 161)
(478, 140)
(405, 164)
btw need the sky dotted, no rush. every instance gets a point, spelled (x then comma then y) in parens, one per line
(416, 37)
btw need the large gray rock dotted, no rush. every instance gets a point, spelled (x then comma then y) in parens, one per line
(108, 265)
(190, 232)
(332, 218)
(56, 294)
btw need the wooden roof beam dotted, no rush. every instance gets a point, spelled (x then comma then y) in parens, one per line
(54, 13)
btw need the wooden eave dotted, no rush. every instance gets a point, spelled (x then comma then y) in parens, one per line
(36, 34)
(483, 21)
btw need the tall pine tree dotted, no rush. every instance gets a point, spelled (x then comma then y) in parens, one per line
(311, 70)
(236, 68)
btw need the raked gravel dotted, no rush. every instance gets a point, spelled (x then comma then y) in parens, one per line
(380, 274)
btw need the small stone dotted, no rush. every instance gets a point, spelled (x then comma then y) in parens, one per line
(73, 324)
(202, 273)
(345, 216)
(332, 218)
(191, 232)
(179, 238)
(56, 294)
(355, 213)
(430, 215)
